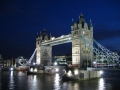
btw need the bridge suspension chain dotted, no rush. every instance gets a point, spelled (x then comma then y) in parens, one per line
(116, 57)
(106, 50)
(32, 56)
(100, 53)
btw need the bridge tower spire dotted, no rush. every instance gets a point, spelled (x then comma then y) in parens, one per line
(81, 55)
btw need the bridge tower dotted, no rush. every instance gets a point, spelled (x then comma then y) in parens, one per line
(81, 54)
(43, 53)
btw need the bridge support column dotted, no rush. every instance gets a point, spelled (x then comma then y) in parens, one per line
(46, 55)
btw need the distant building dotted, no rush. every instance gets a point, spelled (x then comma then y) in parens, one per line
(21, 61)
(63, 60)
(0, 56)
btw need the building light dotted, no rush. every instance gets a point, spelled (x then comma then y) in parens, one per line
(76, 72)
(94, 62)
(62, 36)
(55, 63)
(57, 69)
(35, 70)
(11, 69)
(83, 32)
(33, 63)
(31, 69)
(101, 72)
(69, 73)
(52, 38)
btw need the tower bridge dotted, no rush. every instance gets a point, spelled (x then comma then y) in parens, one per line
(83, 49)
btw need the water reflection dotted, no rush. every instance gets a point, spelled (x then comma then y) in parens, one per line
(101, 84)
(76, 86)
(57, 82)
(11, 81)
(70, 86)
(20, 73)
(0, 83)
(20, 81)
(32, 82)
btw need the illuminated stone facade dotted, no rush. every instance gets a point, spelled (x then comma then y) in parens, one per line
(81, 54)
(43, 53)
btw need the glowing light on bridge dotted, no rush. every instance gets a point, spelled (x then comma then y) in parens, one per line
(52, 38)
(69, 38)
(62, 36)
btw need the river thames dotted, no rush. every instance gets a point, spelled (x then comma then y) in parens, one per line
(13, 80)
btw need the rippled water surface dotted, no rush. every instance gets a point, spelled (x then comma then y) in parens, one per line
(21, 81)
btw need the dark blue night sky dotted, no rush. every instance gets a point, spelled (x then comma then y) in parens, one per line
(21, 20)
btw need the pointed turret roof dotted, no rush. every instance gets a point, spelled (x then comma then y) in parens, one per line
(37, 35)
(90, 23)
(43, 34)
(72, 21)
(81, 18)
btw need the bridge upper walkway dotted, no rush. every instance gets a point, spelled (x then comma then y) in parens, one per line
(60, 40)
